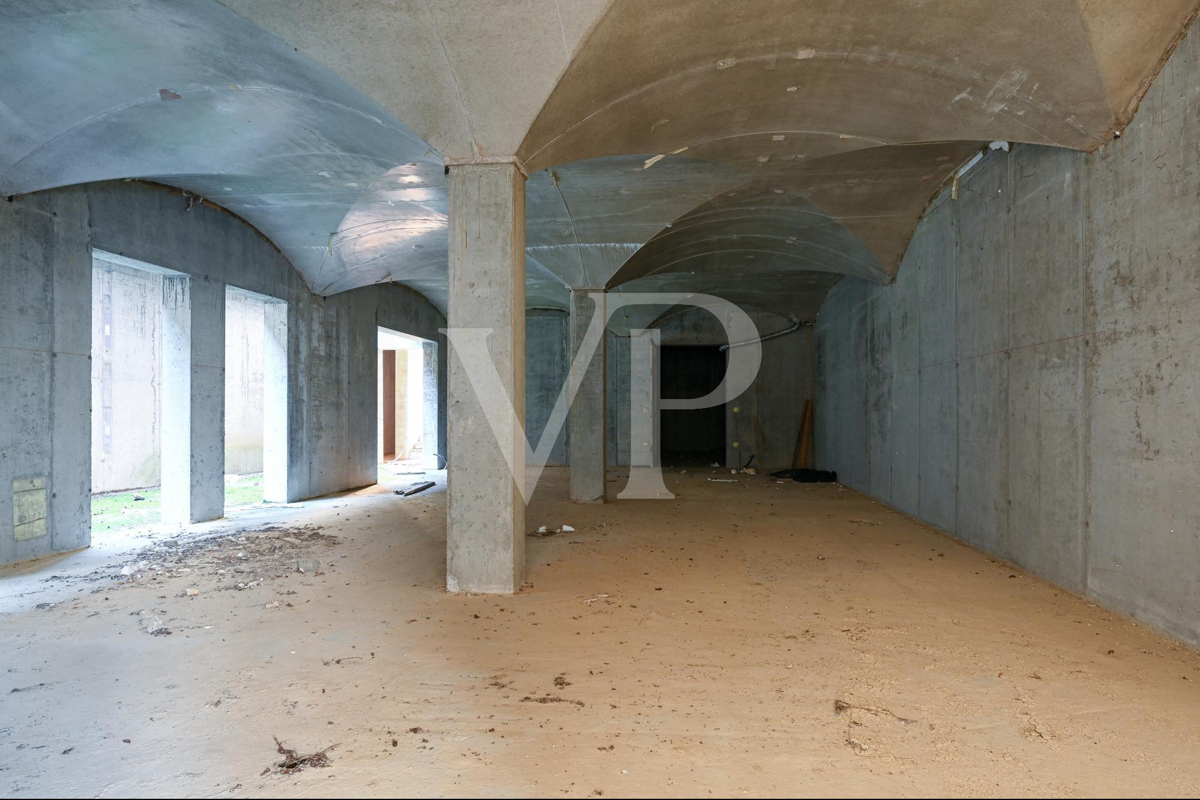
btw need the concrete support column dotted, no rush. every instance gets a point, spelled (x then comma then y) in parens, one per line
(45, 386)
(589, 413)
(381, 404)
(431, 446)
(645, 474)
(402, 440)
(275, 403)
(645, 347)
(485, 531)
(193, 400)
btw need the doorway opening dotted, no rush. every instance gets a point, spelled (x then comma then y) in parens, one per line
(126, 379)
(255, 399)
(154, 384)
(691, 437)
(407, 403)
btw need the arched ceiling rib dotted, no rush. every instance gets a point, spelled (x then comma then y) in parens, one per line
(849, 214)
(193, 95)
(583, 221)
(469, 76)
(704, 73)
(587, 218)
(763, 148)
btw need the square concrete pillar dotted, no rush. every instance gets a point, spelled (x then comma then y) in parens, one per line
(485, 530)
(645, 475)
(275, 403)
(589, 414)
(402, 435)
(193, 400)
(645, 377)
(431, 444)
(388, 417)
(381, 403)
(45, 386)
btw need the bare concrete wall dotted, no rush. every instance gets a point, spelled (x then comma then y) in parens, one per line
(244, 331)
(46, 243)
(1030, 381)
(126, 342)
(763, 421)
(547, 363)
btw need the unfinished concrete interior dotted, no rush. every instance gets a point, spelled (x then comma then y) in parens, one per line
(518, 316)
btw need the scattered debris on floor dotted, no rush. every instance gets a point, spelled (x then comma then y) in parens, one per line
(1031, 732)
(414, 488)
(28, 689)
(340, 661)
(153, 625)
(294, 762)
(807, 475)
(552, 698)
(238, 562)
(543, 530)
(377, 652)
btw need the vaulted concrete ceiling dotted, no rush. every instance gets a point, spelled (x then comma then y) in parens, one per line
(755, 150)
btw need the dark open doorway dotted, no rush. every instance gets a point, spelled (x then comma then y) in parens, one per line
(692, 437)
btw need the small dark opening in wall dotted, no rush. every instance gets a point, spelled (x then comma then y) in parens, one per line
(694, 437)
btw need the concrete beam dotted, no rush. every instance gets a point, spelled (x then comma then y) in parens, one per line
(485, 530)
(589, 414)
(193, 387)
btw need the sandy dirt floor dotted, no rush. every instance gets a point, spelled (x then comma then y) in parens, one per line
(748, 638)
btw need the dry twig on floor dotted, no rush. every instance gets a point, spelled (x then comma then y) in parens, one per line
(841, 705)
(294, 762)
